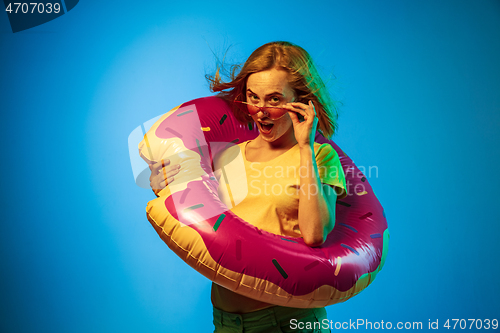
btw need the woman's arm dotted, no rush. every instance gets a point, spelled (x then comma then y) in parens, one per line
(316, 201)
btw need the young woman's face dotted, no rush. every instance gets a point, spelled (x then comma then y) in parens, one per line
(270, 88)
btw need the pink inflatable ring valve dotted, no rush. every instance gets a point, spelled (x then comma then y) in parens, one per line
(193, 222)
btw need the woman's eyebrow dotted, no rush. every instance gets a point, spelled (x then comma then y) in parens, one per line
(273, 93)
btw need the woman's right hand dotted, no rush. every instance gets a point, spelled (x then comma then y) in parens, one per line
(162, 174)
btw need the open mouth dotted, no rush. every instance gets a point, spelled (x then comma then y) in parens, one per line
(266, 127)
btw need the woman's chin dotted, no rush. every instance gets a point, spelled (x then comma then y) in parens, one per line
(269, 136)
(266, 138)
(266, 135)
(276, 134)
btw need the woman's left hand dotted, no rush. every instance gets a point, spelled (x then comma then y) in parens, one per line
(305, 131)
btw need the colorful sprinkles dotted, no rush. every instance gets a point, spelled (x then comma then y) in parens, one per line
(232, 142)
(288, 240)
(177, 134)
(362, 217)
(219, 220)
(348, 226)
(187, 209)
(350, 248)
(221, 121)
(183, 197)
(199, 148)
(184, 113)
(280, 269)
(311, 265)
(339, 263)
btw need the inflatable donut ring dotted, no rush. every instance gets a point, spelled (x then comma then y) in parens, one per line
(203, 232)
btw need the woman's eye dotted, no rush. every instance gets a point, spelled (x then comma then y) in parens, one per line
(275, 100)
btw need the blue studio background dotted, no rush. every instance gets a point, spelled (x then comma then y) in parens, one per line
(419, 82)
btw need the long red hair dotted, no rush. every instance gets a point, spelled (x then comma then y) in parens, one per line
(302, 75)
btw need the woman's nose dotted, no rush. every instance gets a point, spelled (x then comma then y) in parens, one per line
(262, 113)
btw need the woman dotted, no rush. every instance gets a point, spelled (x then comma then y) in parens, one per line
(279, 90)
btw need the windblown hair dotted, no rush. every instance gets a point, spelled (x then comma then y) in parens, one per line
(302, 77)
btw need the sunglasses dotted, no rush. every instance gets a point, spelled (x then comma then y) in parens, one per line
(272, 112)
